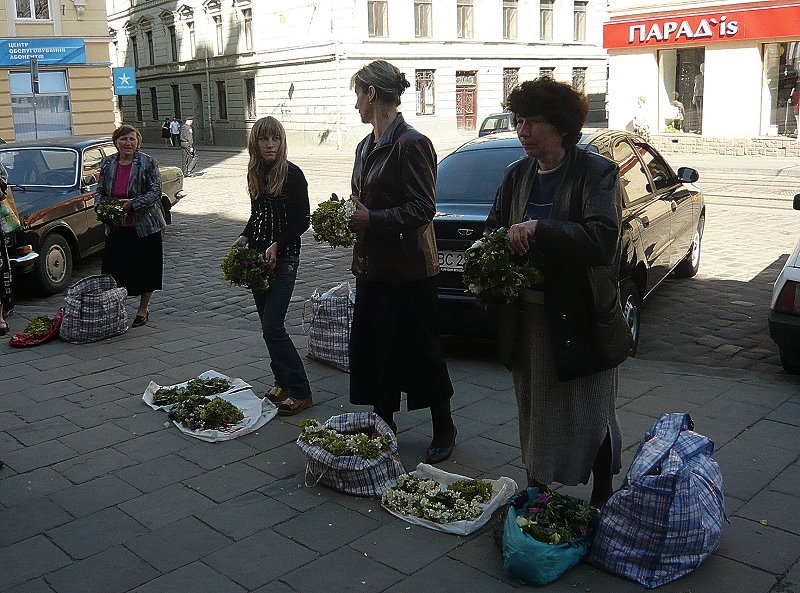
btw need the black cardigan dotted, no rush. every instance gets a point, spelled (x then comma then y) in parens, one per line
(282, 218)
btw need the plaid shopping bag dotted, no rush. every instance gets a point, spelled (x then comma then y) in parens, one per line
(348, 473)
(95, 309)
(667, 517)
(329, 329)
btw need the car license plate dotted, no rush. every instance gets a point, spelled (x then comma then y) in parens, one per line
(451, 261)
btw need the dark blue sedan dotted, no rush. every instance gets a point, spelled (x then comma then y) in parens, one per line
(663, 215)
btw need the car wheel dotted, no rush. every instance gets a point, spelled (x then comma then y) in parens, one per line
(790, 364)
(54, 267)
(691, 263)
(631, 307)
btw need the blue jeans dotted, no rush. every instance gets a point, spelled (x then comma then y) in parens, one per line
(272, 305)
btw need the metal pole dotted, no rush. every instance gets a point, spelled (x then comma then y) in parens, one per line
(208, 87)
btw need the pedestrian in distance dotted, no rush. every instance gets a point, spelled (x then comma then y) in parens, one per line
(187, 144)
(165, 133)
(133, 253)
(394, 338)
(175, 131)
(279, 215)
(559, 207)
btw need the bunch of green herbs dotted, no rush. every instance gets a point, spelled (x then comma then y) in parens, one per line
(555, 518)
(493, 274)
(330, 222)
(202, 413)
(166, 396)
(110, 212)
(366, 446)
(246, 267)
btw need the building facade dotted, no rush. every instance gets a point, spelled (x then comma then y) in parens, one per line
(72, 93)
(731, 67)
(227, 63)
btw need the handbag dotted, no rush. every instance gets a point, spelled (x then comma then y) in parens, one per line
(329, 328)
(95, 310)
(349, 473)
(667, 516)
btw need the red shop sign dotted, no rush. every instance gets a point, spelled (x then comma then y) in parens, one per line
(704, 27)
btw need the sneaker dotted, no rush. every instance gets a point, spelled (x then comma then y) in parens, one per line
(277, 394)
(291, 406)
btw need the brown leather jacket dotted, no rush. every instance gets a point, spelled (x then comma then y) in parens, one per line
(396, 181)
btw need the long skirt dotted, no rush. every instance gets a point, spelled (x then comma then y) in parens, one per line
(395, 346)
(561, 424)
(137, 263)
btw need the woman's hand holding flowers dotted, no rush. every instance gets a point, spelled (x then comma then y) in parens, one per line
(519, 236)
(242, 241)
(361, 218)
(271, 256)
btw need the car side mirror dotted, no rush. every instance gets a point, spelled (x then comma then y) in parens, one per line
(688, 175)
(796, 203)
(88, 180)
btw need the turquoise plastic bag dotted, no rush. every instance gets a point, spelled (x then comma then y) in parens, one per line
(530, 561)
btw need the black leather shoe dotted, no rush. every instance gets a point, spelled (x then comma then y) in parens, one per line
(438, 454)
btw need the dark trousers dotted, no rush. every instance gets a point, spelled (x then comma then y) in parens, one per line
(272, 304)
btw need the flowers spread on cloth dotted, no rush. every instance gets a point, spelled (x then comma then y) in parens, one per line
(166, 396)
(37, 327)
(246, 267)
(330, 222)
(111, 213)
(202, 413)
(360, 444)
(555, 518)
(493, 274)
(426, 499)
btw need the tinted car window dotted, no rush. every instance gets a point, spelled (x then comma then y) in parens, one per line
(659, 170)
(631, 174)
(91, 162)
(472, 177)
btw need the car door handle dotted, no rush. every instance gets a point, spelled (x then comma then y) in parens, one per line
(674, 205)
(644, 221)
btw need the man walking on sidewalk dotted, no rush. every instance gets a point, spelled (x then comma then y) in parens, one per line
(175, 131)
(187, 144)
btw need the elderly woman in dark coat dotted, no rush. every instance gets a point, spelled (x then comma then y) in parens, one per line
(133, 252)
(560, 210)
(394, 341)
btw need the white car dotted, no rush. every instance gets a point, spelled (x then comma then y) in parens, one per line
(784, 315)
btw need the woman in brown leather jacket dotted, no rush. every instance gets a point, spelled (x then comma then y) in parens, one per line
(394, 339)
(559, 206)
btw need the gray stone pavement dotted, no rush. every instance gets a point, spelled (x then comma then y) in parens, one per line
(100, 495)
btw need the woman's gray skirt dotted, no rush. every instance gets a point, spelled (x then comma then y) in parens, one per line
(561, 424)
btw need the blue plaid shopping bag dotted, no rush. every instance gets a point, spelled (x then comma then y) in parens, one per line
(667, 516)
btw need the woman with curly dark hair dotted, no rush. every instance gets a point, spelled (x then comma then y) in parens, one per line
(559, 206)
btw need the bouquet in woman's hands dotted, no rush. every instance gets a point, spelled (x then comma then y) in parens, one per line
(330, 222)
(110, 212)
(493, 274)
(246, 267)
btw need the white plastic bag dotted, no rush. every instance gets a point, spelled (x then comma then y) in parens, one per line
(502, 489)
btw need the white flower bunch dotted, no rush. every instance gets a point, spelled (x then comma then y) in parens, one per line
(427, 499)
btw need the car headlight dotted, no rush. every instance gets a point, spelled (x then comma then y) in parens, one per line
(788, 300)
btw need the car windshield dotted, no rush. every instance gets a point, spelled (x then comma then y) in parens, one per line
(473, 176)
(31, 167)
